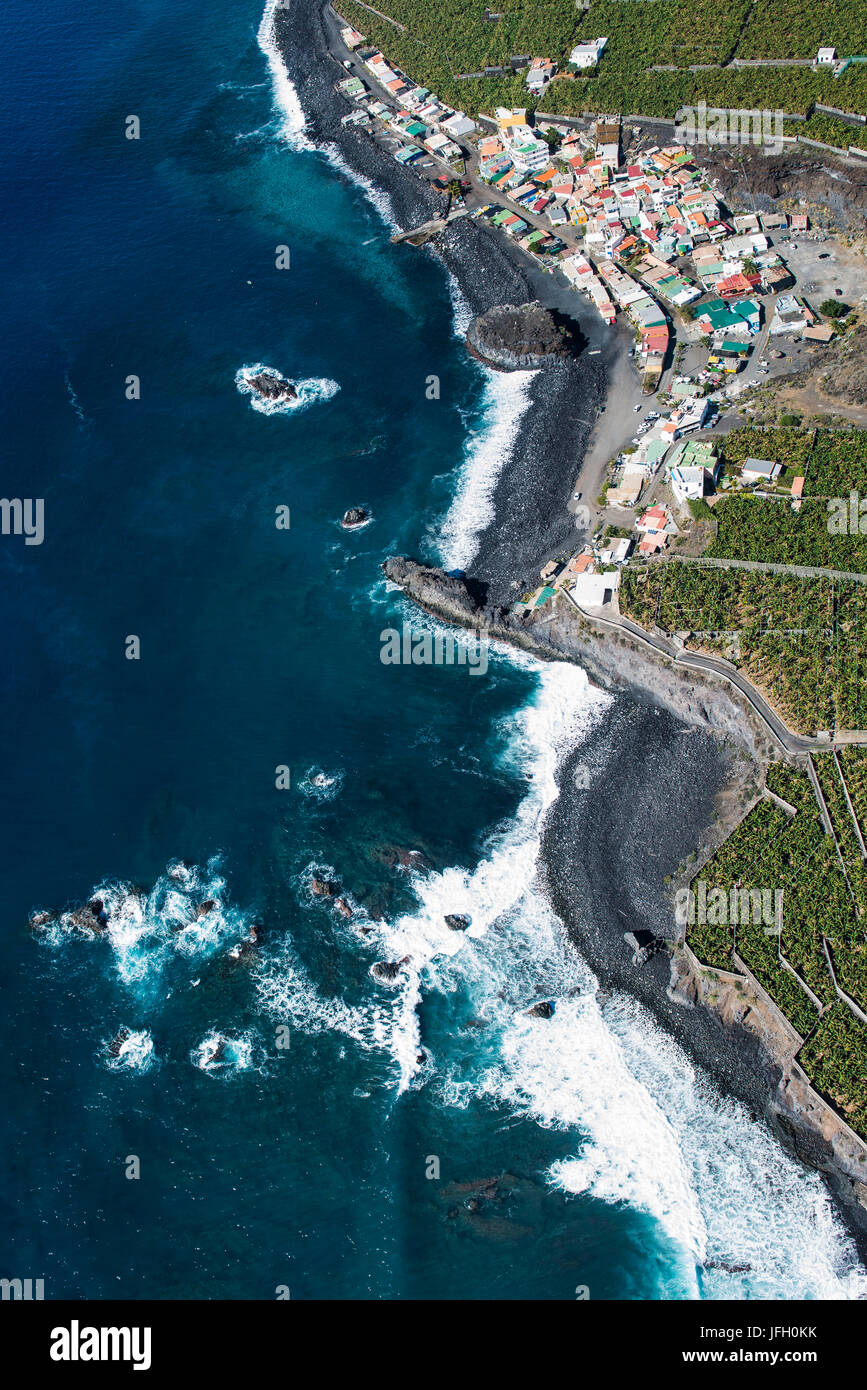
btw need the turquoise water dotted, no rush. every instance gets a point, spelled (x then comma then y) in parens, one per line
(612, 1163)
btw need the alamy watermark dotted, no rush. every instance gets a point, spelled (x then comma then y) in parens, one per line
(23, 516)
(698, 125)
(847, 516)
(25, 1289)
(731, 907)
(408, 647)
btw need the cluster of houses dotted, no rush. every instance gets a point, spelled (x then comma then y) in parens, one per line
(425, 123)
(639, 224)
(635, 221)
(591, 576)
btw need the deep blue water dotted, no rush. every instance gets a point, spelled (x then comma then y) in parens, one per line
(304, 1167)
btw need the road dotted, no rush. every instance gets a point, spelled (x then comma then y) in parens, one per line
(771, 567)
(788, 741)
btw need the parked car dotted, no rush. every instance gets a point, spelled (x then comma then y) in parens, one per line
(576, 496)
(637, 407)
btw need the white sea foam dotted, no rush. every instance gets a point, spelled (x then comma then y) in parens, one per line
(319, 785)
(223, 1056)
(641, 1124)
(184, 916)
(506, 401)
(135, 1052)
(292, 127)
(307, 392)
(293, 123)
(75, 402)
(645, 1127)
(462, 314)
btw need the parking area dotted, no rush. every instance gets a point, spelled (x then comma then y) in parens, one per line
(823, 267)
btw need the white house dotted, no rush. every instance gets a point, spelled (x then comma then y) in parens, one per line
(760, 470)
(588, 53)
(687, 483)
(595, 590)
(826, 56)
(458, 125)
(529, 155)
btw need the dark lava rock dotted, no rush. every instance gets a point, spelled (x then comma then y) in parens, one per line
(355, 516)
(385, 970)
(456, 921)
(343, 907)
(323, 887)
(272, 386)
(40, 920)
(246, 946)
(117, 1042)
(204, 908)
(543, 1010)
(84, 920)
(396, 856)
(519, 337)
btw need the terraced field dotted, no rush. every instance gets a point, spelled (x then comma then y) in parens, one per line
(822, 930)
(443, 40)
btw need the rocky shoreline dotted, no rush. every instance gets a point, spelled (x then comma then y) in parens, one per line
(590, 879)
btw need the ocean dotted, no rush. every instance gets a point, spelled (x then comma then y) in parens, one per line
(184, 1120)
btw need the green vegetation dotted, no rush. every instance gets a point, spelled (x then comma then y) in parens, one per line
(835, 1059)
(794, 29)
(802, 642)
(830, 130)
(834, 464)
(699, 509)
(837, 463)
(445, 38)
(790, 447)
(772, 850)
(833, 309)
(753, 529)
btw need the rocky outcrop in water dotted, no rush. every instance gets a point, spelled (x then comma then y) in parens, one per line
(545, 1009)
(520, 337)
(271, 386)
(323, 887)
(355, 516)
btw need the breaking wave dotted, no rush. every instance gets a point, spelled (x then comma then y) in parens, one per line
(506, 401)
(185, 916)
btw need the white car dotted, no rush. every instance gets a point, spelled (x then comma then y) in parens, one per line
(636, 407)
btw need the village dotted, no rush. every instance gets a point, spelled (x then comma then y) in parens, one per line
(709, 298)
